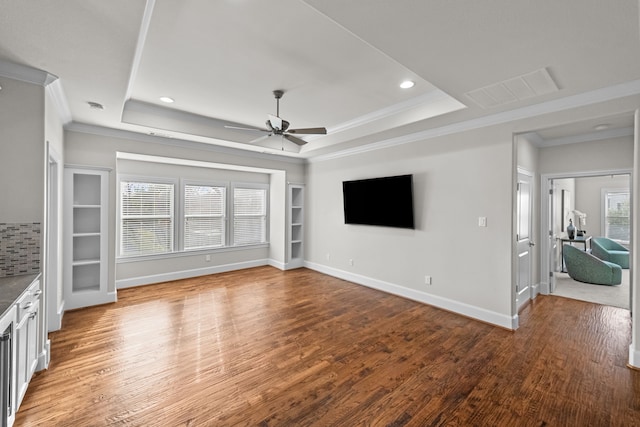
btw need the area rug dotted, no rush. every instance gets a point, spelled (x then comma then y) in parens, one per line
(617, 296)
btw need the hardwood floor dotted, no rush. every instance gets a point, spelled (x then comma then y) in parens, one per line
(271, 348)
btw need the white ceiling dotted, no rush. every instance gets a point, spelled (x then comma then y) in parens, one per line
(339, 62)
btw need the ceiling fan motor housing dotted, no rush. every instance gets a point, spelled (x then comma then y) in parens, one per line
(277, 131)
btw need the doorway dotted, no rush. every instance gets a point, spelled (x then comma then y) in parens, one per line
(584, 200)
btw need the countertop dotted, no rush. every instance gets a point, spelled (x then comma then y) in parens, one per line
(12, 287)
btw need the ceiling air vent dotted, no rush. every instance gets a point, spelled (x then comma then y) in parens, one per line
(95, 105)
(518, 88)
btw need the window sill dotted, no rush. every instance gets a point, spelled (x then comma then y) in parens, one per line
(187, 253)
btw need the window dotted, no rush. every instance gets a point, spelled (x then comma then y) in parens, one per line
(204, 216)
(249, 215)
(160, 216)
(147, 218)
(616, 215)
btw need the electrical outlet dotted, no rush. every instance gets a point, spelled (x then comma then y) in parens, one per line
(427, 280)
(328, 256)
(482, 221)
(351, 262)
(207, 258)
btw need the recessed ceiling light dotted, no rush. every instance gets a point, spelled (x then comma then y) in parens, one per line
(407, 84)
(166, 99)
(602, 126)
(95, 105)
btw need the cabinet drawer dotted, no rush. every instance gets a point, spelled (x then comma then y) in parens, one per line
(28, 301)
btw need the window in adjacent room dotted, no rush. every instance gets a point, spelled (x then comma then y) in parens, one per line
(249, 214)
(146, 218)
(204, 216)
(617, 203)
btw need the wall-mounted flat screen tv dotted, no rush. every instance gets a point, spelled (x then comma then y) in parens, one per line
(386, 201)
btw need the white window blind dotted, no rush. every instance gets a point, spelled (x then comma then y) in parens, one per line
(147, 218)
(249, 216)
(204, 216)
(617, 220)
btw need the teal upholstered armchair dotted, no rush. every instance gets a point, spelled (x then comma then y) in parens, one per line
(608, 250)
(584, 267)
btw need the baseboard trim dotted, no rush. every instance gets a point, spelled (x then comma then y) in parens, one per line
(536, 290)
(457, 307)
(297, 263)
(634, 357)
(57, 319)
(185, 274)
(44, 357)
(277, 264)
(90, 299)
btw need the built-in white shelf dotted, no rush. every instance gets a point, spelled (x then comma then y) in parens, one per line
(296, 226)
(86, 244)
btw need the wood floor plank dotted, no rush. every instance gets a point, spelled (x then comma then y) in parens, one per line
(270, 348)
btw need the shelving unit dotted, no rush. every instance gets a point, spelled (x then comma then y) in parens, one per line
(86, 244)
(296, 226)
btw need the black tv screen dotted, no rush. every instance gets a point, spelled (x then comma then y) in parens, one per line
(384, 201)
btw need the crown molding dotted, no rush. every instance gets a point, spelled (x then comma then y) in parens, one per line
(622, 90)
(592, 136)
(194, 163)
(176, 142)
(430, 97)
(26, 74)
(56, 92)
(50, 82)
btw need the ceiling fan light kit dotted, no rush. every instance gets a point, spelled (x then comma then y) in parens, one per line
(277, 126)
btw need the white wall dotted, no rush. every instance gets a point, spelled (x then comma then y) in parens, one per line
(100, 150)
(587, 156)
(22, 109)
(457, 179)
(588, 198)
(561, 218)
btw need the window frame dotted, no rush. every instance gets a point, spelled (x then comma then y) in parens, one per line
(146, 180)
(232, 214)
(178, 234)
(183, 216)
(603, 201)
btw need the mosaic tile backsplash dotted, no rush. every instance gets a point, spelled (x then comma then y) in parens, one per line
(19, 248)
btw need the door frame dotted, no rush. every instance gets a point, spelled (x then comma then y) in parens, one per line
(545, 226)
(53, 258)
(532, 287)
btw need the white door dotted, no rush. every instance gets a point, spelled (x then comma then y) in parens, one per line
(553, 242)
(523, 237)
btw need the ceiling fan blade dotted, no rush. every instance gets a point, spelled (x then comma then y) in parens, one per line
(247, 128)
(262, 138)
(294, 139)
(317, 131)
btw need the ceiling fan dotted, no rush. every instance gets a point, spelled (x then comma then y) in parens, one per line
(278, 126)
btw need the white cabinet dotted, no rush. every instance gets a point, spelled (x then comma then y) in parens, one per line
(86, 199)
(7, 367)
(296, 226)
(26, 338)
